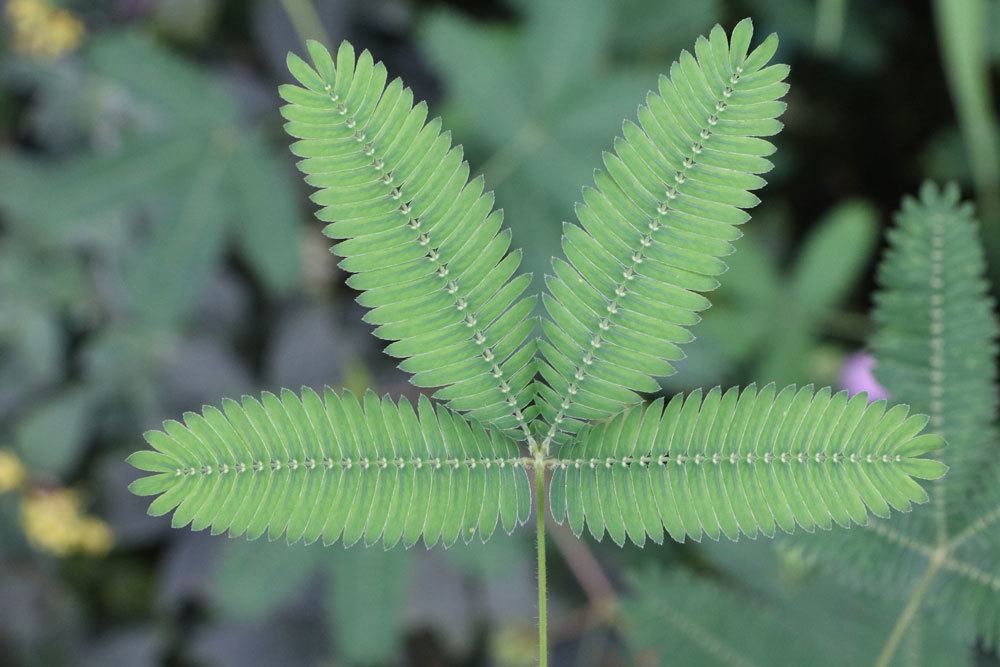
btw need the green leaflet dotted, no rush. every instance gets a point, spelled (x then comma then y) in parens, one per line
(653, 229)
(935, 345)
(423, 241)
(747, 462)
(334, 468)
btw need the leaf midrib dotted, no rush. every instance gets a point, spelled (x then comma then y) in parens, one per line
(453, 463)
(441, 271)
(631, 271)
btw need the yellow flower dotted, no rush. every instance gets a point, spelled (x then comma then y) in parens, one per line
(514, 646)
(95, 537)
(42, 31)
(53, 522)
(12, 472)
(50, 520)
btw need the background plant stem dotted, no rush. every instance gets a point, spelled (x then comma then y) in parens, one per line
(830, 25)
(306, 21)
(962, 29)
(586, 569)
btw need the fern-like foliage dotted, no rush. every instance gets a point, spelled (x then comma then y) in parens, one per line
(935, 338)
(768, 617)
(334, 468)
(744, 462)
(423, 242)
(654, 228)
(676, 619)
(428, 253)
(935, 346)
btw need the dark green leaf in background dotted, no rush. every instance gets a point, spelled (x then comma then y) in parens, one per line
(774, 320)
(52, 437)
(547, 98)
(366, 602)
(253, 579)
(828, 264)
(178, 91)
(165, 279)
(267, 215)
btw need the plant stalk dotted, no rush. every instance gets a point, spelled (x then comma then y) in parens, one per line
(912, 607)
(543, 621)
(305, 20)
(830, 25)
(963, 33)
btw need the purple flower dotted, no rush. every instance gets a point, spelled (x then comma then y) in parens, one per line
(857, 376)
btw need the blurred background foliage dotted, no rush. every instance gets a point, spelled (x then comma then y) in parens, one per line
(157, 253)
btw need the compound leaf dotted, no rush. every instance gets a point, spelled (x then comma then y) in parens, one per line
(422, 240)
(935, 345)
(751, 462)
(936, 334)
(653, 230)
(334, 468)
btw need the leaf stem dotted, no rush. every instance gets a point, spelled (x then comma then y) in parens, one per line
(543, 621)
(912, 607)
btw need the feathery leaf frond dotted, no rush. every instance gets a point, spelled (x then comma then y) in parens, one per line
(423, 242)
(681, 620)
(654, 228)
(743, 462)
(334, 468)
(935, 347)
(936, 336)
(763, 613)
